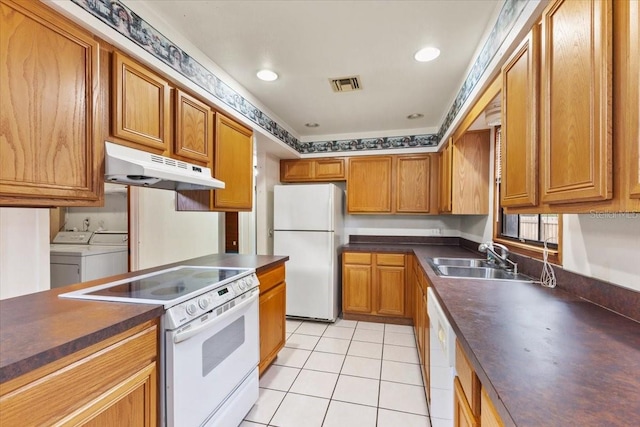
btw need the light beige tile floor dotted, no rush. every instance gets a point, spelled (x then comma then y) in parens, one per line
(342, 375)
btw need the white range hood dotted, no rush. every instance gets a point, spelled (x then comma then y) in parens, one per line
(128, 166)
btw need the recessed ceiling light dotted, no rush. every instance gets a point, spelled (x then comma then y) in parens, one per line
(267, 75)
(311, 125)
(415, 116)
(427, 54)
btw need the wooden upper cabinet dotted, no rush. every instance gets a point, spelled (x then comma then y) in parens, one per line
(50, 147)
(629, 108)
(194, 129)
(576, 123)
(444, 193)
(296, 170)
(312, 170)
(470, 174)
(369, 184)
(233, 165)
(413, 184)
(141, 105)
(520, 94)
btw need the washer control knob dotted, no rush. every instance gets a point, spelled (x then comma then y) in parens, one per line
(203, 303)
(191, 309)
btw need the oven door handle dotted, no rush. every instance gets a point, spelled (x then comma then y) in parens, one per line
(188, 333)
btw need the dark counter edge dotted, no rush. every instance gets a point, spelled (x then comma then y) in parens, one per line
(388, 244)
(39, 360)
(24, 366)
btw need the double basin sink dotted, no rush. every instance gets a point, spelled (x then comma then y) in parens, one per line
(473, 268)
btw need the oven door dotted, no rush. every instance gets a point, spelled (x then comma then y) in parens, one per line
(208, 359)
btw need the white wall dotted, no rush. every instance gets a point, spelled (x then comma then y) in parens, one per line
(162, 235)
(112, 216)
(24, 251)
(604, 246)
(401, 225)
(268, 176)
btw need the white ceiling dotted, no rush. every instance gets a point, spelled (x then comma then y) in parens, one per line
(308, 42)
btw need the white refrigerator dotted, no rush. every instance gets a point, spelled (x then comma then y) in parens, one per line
(308, 228)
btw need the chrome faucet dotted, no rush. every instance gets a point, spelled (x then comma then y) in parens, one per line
(502, 259)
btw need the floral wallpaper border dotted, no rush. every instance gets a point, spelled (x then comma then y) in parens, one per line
(122, 19)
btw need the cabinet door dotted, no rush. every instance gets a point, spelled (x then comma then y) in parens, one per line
(233, 160)
(462, 415)
(369, 185)
(519, 186)
(272, 324)
(576, 101)
(135, 397)
(49, 146)
(329, 170)
(632, 105)
(356, 288)
(296, 170)
(413, 182)
(470, 174)
(141, 105)
(445, 179)
(389, 284)
(194, 129)
(488, 415)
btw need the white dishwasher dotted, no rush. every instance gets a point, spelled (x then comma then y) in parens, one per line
(442, 362)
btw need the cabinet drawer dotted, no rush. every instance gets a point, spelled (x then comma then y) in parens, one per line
(390, 259)
(468, 380)
(270, 278)
(356, 258)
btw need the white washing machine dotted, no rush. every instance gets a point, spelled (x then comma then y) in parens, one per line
(80, 256)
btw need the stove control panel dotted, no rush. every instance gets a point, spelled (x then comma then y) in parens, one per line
(186, 311)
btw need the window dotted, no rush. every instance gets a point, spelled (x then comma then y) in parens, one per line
(527, 232)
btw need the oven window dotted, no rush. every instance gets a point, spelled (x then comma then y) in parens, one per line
(217, 348)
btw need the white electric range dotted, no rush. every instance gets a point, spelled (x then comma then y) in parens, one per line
(80, 256)
(210, 339)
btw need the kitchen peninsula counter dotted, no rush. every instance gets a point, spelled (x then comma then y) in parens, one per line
(545, 357)
(40, 328)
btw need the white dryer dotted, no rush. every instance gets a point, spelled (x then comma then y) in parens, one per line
(78, 256)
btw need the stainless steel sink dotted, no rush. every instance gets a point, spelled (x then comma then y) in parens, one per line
(479, 273)
(462, 262)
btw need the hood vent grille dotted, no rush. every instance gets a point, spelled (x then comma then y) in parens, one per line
(346, 84)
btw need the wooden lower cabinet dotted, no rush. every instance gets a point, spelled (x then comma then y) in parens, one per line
(272, 314)
(421, 323)
(466, 387)
(488, 415)
(374, 285)
(110, 383)
(462, 414)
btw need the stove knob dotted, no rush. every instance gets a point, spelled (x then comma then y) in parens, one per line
(242, 284)
(203, 303)
(191, 309)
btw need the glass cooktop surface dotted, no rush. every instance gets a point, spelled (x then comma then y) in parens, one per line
(168, 286)
(164, 287)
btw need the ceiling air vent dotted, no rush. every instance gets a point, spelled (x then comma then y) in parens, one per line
(346, 84)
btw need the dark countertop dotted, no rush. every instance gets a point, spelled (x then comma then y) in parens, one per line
(545, 357)
(39, 328)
